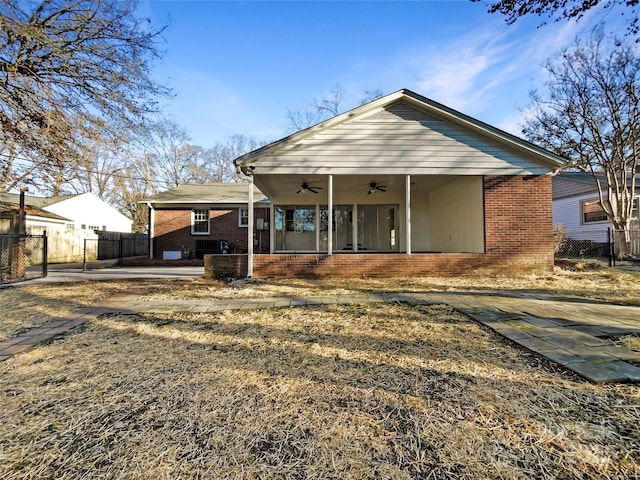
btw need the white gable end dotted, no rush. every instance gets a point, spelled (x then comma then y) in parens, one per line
(400, 138)
(89, 210)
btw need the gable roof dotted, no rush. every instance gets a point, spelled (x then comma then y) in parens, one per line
(207, 193)
(33, 206)
(401, 130)
(13, 208)
(40, 202)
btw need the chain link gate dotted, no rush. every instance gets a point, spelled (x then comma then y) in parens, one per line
(22, 257)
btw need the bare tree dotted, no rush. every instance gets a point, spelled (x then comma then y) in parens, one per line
(101, 161)
(317, 111)
(590, 113)
(371, 95)
(322, 109)
(172, 160)
(14, 170)
(561, 9)
(69, 68)
(128, 189)
(217, 161)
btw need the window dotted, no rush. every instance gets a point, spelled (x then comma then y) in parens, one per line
(592, 212)
(305, 228)
(295, 228)
(243, 217)
(200, 221)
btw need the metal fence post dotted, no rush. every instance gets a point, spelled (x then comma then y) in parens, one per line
(609, 252)
(84, 256)
(120, 251)
(45, 254)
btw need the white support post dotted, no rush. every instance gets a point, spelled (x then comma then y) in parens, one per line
(318, 227)
(272, 228)
(250, 231)
(354, 227)
(408, 213)
(330, 219)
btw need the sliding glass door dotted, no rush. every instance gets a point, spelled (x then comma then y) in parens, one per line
(305, 228)
(378, 228)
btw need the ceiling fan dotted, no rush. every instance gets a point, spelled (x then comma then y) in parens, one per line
(306, 187)
(373, 186)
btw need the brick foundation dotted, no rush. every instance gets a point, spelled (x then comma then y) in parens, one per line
(225, 266)
(393, 265)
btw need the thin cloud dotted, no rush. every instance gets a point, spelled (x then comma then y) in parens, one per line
(460, 73)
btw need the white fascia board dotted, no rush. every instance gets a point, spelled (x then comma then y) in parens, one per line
(182, 204)
(404, 171)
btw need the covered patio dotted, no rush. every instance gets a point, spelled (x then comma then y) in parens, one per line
(372, 214)
(405, 179)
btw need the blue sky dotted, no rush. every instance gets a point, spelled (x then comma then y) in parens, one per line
(238, 67)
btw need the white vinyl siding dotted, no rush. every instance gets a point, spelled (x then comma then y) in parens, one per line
(400, 139)
(568, 213)
(457, 216)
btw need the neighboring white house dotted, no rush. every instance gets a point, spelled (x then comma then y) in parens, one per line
(83, 211)
(88, 212)
(576, 207)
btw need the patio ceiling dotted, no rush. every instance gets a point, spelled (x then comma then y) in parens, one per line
(283, 188)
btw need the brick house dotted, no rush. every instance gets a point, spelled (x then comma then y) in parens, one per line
(192, 220)
(403, 185)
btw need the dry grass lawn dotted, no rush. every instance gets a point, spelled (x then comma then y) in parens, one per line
(324, 392)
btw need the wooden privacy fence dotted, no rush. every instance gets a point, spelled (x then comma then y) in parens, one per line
(116, 245)
(64, 246)
(76, 246)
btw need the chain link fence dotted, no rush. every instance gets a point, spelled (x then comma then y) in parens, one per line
(616, 247)
(22, 257)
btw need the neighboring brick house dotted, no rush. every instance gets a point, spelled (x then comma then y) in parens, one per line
(192, 220)
(403, 185)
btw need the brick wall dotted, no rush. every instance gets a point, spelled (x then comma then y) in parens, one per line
(172, 230)
(518, 222)
(223, 267)
(518, 239)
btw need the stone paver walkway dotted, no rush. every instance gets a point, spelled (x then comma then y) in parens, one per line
(573, 332)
